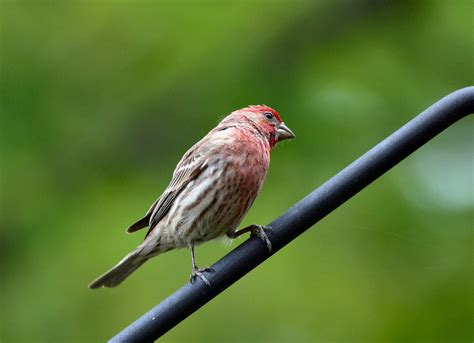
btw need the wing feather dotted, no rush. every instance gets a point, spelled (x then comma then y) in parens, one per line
(143, 222)
(191, 165)
(187, 170)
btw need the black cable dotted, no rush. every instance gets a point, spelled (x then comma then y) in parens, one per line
(302, 216)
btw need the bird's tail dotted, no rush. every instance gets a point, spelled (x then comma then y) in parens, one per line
(121, 271)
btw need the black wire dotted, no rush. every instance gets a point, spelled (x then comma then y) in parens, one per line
(302, 216)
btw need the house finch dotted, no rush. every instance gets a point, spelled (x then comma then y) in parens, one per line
(212, 188)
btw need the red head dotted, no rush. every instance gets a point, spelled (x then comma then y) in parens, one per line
(267, 121)
(263, 109)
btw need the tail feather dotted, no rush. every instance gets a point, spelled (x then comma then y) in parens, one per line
(120, 272)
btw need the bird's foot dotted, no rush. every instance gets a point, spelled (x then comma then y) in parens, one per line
(260, 231)
(199, 272)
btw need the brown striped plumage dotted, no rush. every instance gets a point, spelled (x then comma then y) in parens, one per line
(212, 188)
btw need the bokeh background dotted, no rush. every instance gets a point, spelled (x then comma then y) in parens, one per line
(99, 100)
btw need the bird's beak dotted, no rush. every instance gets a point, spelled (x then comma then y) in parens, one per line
(284, 132)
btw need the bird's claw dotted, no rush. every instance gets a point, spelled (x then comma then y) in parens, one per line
(199, 272)
(259, 231)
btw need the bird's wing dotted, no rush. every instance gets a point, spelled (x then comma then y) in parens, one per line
(187, 170)
(143, 222)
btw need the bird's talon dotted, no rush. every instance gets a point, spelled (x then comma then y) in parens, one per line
(260, 232)
(206, 269)
(200, 273)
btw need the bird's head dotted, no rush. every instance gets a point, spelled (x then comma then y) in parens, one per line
(268, 122)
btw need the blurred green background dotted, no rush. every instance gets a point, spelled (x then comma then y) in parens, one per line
(99, 100)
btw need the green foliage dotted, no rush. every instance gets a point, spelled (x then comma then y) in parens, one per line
(99, 100)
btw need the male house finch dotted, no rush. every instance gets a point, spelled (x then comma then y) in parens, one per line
(212, 188)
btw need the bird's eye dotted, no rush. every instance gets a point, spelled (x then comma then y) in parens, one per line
(268, 115)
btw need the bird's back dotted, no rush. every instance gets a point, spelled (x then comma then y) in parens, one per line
(217, 200)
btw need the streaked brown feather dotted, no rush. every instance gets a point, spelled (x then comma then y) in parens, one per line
(139, 224)
(186, 171)
(143, 222)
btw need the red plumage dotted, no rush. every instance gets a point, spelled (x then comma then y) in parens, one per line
(212, 188)
(264, 108)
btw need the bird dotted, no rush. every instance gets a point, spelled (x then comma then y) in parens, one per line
(212, 188)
